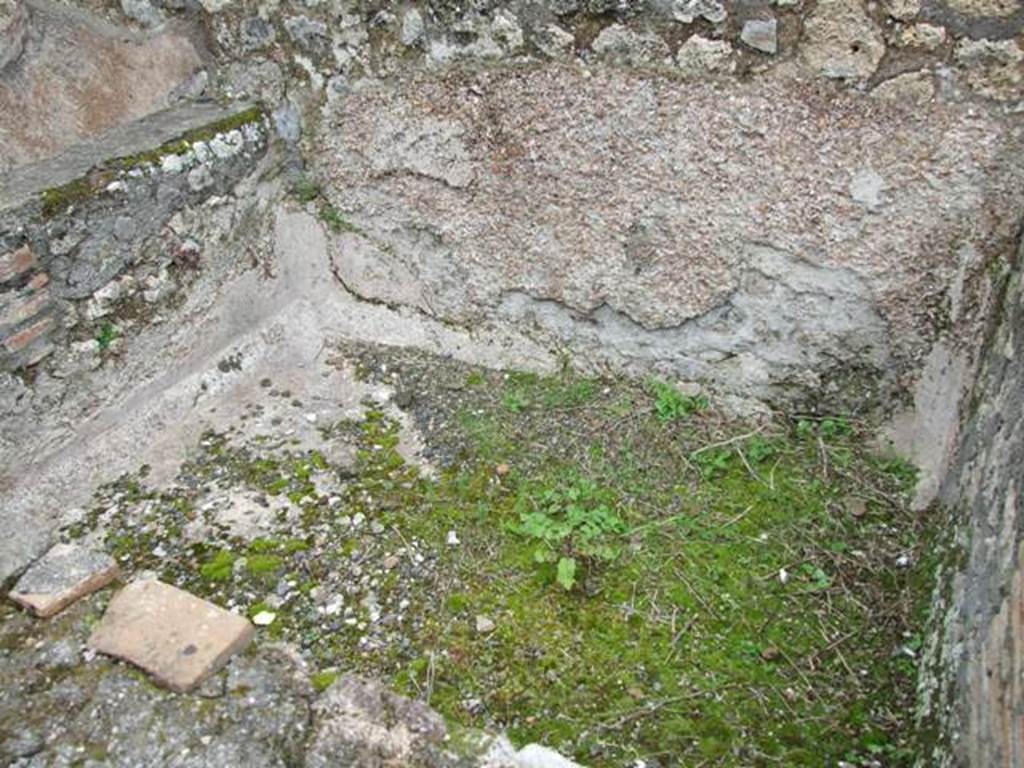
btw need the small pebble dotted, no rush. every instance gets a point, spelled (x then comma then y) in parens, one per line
(264, 618)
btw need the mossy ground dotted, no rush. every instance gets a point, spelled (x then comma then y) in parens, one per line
(763, 607)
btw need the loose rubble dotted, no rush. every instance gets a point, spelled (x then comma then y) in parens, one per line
(177, 638)
(66, 573)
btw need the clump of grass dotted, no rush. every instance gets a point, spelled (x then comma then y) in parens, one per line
(305, 190)
(337, 223)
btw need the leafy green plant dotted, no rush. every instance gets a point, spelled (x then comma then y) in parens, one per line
(760, 449)
(106, 335)
(575, 525)
(834, 427)
(670, 404)
(828, 428)
(819, 580)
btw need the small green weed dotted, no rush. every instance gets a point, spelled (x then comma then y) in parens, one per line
(305, 190)
(575, 525)
(760, 449)
(337, 223)
(515, 400)
(829, 428)
(832, 428)
(815, 576)
(712, 462)
(670, 404)
(107, 335)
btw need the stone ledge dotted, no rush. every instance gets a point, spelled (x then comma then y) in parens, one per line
(142, 137)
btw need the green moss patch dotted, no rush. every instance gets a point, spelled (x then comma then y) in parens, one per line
(743, 592)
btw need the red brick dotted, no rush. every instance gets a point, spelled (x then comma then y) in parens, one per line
(23, 338)
(21, 307)
(16, 262)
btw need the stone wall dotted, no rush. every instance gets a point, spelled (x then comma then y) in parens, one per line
(791, 201)
(803, 240)
(78, 251)
(972, 700)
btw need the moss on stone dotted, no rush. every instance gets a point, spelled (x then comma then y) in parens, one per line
(218, 568)
(57, 200)
(323, 680)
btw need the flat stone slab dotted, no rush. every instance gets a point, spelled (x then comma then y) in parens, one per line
(60, 577)
(174, 636)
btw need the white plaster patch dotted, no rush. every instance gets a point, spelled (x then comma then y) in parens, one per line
(866, 188)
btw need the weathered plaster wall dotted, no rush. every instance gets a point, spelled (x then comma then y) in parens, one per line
(972, 693)
(768, 238)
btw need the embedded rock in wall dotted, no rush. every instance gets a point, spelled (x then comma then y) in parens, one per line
(798, 233)
(842, 41)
